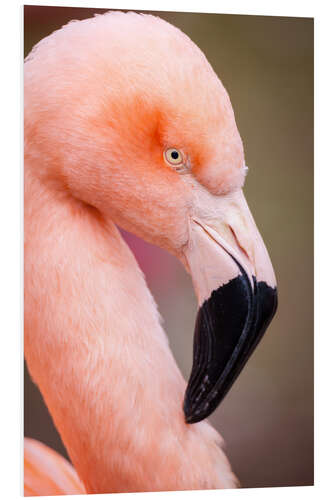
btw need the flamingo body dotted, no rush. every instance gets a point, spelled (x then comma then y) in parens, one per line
(48, 473)
(127, 124)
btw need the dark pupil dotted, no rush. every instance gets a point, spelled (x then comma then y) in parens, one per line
(174, 155)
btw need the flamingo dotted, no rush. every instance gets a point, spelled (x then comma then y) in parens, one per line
(126, 124)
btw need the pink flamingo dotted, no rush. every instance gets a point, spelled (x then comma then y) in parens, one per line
(126, 123)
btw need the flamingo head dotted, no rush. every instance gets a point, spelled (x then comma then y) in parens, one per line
(124, 113)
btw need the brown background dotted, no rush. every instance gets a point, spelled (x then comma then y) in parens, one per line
(266, 64)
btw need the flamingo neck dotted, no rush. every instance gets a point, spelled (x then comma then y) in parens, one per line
(95, 348)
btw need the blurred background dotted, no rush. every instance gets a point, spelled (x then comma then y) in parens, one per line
(266, 65)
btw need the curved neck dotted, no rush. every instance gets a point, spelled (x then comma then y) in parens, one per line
(96, 349)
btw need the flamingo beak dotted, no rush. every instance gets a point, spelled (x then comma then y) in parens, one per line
(236, 289)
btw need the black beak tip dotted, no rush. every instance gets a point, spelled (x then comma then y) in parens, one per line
(228, 328)
(189, 418)
(193, 415)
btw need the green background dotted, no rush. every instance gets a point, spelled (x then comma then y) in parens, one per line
(266, 65)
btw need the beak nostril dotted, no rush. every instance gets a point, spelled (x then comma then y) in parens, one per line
(241, 248)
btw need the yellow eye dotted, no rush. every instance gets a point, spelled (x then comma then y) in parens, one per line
(173, 156)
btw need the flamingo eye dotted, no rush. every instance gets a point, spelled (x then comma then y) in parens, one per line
(173, 157)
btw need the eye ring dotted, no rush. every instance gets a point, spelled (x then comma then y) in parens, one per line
(173, 157)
